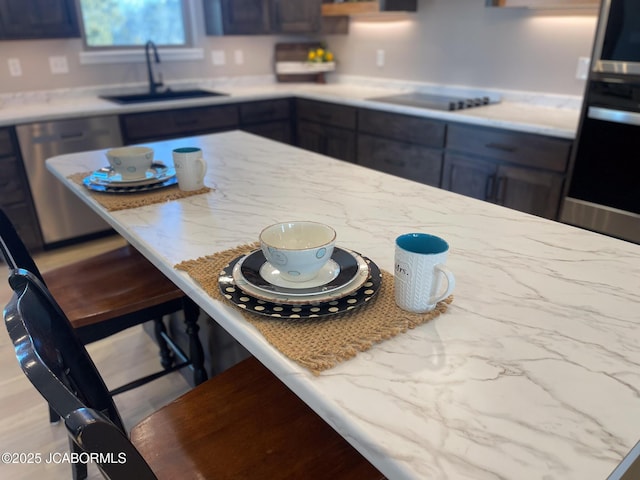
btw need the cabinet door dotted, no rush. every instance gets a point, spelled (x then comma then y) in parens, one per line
(279, 131)
(334, 142)
(469, 176)
(526, 149)
(406, 160)
(237, 17)
(297, 16)
(159, 125)
(38, 19)
(529, 190)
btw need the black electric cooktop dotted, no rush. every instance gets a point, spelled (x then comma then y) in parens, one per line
(434, 101)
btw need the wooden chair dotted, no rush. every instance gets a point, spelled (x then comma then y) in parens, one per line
(107, 293)
(243, 423)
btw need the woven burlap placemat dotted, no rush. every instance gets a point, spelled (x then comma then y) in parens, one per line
(123, 201)
(318, 343)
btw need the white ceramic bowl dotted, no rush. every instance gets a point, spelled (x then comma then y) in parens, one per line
(298, 249)
(131, 163)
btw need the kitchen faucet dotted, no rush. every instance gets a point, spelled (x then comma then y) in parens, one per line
(153, 85)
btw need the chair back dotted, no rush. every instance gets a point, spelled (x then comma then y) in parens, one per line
(59, 367)
(14, 251)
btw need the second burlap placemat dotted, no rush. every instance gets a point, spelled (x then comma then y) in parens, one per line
(123, 201)
(318, 343)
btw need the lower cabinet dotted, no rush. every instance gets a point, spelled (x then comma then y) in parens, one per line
(525, 189)
(327, 128)
(15, 195)
(404, 145)
(406, 160)
(268, 118)
(181, 122)
(522, 171)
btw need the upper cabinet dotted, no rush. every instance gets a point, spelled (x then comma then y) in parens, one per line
(297, 16)
(26, 19)
(563, 4)
(260, 17)
(368, 7)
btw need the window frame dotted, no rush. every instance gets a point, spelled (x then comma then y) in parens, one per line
(188, 19)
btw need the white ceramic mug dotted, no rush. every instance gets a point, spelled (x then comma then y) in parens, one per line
(190, 168)
(419, 271)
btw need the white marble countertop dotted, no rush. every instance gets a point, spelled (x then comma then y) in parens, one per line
(533, 373)
(547, 115)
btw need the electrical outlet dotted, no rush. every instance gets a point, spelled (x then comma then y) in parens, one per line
(582, 70)
(380, 58)
(218, 57)
(238, 55)
(15, 68)
(59, 64)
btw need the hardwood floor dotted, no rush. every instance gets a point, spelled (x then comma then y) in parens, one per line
(24, 420)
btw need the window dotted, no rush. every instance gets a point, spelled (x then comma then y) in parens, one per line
(131, 23)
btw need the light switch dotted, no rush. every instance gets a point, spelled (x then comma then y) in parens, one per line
(58, 64)
(15, 68)
(218, 57)
(380, 58)
(582, 70)
(239, 57)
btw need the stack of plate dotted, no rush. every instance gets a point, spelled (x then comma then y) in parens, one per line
(347, 281)
(107, 180)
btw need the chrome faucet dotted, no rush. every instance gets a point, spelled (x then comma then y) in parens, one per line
(153, 85)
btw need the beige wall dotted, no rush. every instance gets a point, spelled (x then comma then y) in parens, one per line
(460, 42)
(457, 42)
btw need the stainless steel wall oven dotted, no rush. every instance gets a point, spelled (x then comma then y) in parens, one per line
(604, 190)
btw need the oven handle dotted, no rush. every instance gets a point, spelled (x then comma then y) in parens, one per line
(618, 116)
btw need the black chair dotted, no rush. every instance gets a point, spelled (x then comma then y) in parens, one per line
(110, 292)
(243, 423)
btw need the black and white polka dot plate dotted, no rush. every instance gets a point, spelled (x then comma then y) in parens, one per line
(281, 310)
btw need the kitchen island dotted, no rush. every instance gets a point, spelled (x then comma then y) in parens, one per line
(533, 372)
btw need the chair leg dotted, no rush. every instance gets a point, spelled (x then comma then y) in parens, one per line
(166, 355)
(53, 416)
(78, 469)
(196, 353)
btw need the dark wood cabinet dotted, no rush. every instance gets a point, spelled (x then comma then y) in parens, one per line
(410, 161)
(297, 16)
(30, 19)
(237, 17)
(327, 128)
(261, 17)
(403, 145)
(181, 122)
(268, 118)
(517, 170)
(15, 195)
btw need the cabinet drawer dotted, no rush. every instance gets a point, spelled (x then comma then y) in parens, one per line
(6, 145)
(267, 111)
(414, 162)
(406, 128)
(173, 123)
(514, 147)
(327, 113)
(278, 131)
(12, 188)
(25, 223)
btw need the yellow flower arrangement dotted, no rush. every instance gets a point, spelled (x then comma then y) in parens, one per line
(319, 55)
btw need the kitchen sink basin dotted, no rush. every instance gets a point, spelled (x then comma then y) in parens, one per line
(161, 96)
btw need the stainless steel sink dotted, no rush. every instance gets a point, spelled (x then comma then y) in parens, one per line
(161, 96)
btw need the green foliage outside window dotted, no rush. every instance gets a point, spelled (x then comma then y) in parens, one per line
(121, 23)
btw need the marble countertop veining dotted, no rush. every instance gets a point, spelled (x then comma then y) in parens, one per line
(533, 373)
(546, 115)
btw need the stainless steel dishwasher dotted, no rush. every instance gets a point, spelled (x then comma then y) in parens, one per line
(62, 216)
